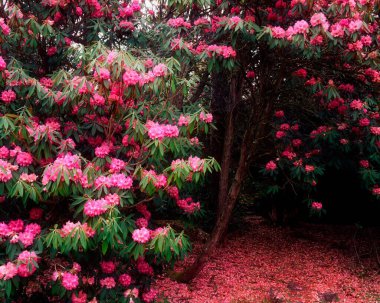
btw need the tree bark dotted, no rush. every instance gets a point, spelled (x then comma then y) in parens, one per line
(227, 194)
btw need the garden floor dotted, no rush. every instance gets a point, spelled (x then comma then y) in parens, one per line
(305, 264)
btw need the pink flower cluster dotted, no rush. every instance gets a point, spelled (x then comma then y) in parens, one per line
(4, 27)
(158, 180)
(271, 166)
(196, 164)
(94, 208)
(65, 164)
(125, 280)
(29, 178)
(114, 180)
(144, 267)
(71, 229)
(220, 50)
(141, 235)
(6, 169)
(70, 281)
(8, 96)
(206, 117)
(3, 64)
(16, 232)
(103, 150)
(108, 282)
(150, 296)
(108, 267)
(188, 205)
(26, 263)
(161, 131)
(178, 22)
(184, 120)
(132, 77)
(8, 271)
(316, 205)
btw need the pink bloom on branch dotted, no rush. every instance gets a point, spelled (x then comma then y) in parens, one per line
(356, 105)
(149, 296)
(278, 32)
(160, 70)
(125, 280)
(26, 265)
(251, 74)
(141, 222)
(364, 163)
(81, 297)
(70, 281)
(8, 271)
(301, 27)
(309, 168)
(3, 64)
(102, 151)
(271, 166)
(375, 130)
(108, 267)
(196, 163)
(141, 235)
(178, 22)
(131, 77)
(316, 205)
(183, 120)
(51, 51)
(206, 117)
(161, 131)
(364, 122)
(94, 208)
(8, 96)
(302, 73)
(188, 205)
(376, 190)
(280, 134)
(279, 114)
(320, 19)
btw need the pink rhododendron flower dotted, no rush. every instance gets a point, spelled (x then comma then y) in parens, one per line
(161, 131)
(108, 267)
(94, 208)
(131, 77)
(160, 70)
(125, 280)
(25, 261)
(141, 222)
(3, 64)
(375, 130)
(206, 117)
(251, 74)
(8, 271)
(316, 205)
(271, 166)
(81, 297)
(108, 282)
(183, 120)
(141, 235)
(8, 96)
(69, 281)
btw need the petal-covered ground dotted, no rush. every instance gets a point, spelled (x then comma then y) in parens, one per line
(261, 263)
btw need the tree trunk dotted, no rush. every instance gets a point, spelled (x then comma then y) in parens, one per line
(224, 213)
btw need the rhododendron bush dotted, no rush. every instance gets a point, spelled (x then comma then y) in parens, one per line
(91, 144)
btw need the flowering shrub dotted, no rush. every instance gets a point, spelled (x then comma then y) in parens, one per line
(90, 145)
(349, 129)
